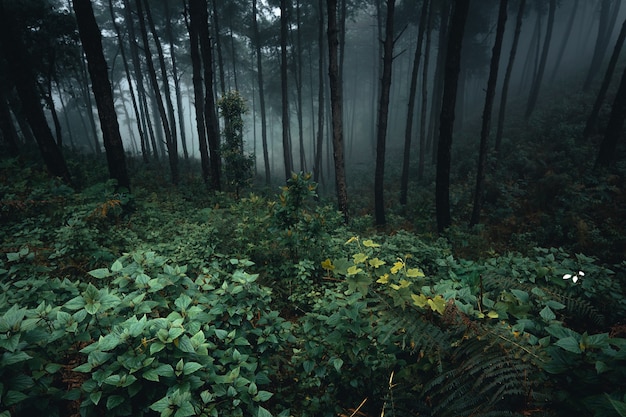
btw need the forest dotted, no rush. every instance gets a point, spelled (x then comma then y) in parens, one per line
(323, 208)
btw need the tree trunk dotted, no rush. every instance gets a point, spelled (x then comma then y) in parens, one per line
(320, 95)
(408, 133)
(198, 89)
(218, 47)
(336, 109)
(486, 123)
(259, 64)
(605, 29)
(210, 116)
(424, 105)
(383, 113)
(536, 86)
(615, 127)
(566, 37)
(507, 75)
(590, 126)
(284, 88)
(170, 138)
(24, 80)
(435, 111)
(7, 128)
(91, 40)
(299, 81)
(446, 123)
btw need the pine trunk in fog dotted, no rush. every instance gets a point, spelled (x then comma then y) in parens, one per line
(84, 89)
(8, 133)
(615, 127)
(177, 89)
(507, 74)
(218, 47)
(24, 80)
(298, 77)
(536, 85)
(336, 109)
(446, 121)
(320, 94)
(408, 133)
(608, 15)
(198, 88)
(435, 111)
(210, 117)
(424, 106)
(284, 87)
(486, 123)
(259, 64)
(91, 40)
(118, 34)
(566, 37)
(383, 114)
(158, 97)
(592, 120)
(47, 96)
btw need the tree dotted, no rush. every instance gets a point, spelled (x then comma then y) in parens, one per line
(446, 123)
(317, 166)
(336, 109)
(435, 111)
(383, 113)
(592, 120)
(608, 14)
(408, 133)
(566, 37)
(259, 65)
(98, 71)
(22, 76)
(536, 85)
(507, 74)
(284, 87)
(615, 127)
(424, 109)
(486, 123)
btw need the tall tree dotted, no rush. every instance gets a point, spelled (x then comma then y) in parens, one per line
(383, 113)
(259, 65)
(284, 87)
(23, 77)
(615, 127)
(317, 166)
(608, 13)
(336, 109)
(592, 120)
(507, 74)
(536, 85)
(424, 105)
(448, 104)
(408, 132)
(486, 123)
(437, 95)
(98, 71)
(566, 38)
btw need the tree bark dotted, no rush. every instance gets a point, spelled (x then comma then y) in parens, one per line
(383, 114)
(564, 42)
(284, 88)
(336, 109)
(92, 44)
(592, 120)
(486, 123)
(7, 128)
(317, 166)
(259, 64)
(408, 133)
(605, 29)
(615, 127)
(507, 75)
(446, 124)
(435, 111)
(424, 109)
(218, 47)
(536, 86)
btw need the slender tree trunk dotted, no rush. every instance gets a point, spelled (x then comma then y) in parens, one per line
(435, 111)
(383, 114)
(218, 47)
(424, 105)
(408, 133)
(592, 120)
(615, 127)
(259, 64)
(177, 89)
(198, 89)
(507, 75)
(299, 83)
(84, 89)
(446, 124)
(7, 128)
(284, 88)
(320, 95)
(92, 44)
(23, 78)
(564, 42)
(536, 86)
(166, 116)
(486, 124)
(336, 107)
(605, 29)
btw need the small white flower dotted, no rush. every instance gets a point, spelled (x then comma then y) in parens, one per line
(567, 276)
(574, 278)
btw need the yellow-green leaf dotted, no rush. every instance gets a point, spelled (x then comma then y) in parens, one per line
(370, 244)
(352, 239)
(419, 300)
(359, 258)
(328, 265)
(414, 273)
(437, 304)
(376, 263)
(383, 279)
(397, 267)
(492, 314)
(353, 270)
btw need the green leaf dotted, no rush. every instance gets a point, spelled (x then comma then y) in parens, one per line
(520, 295)
(9, 358)
(262, 412)
(619, 406)
(85, 367)
(191, 367)
(263, 396)
(337, 363)
(547, 314)
(100, 273)
(95, 397)
(114, 400)
(117, 266)
(570, 344)
(185, 410)
(13, 397)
